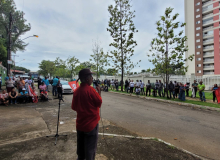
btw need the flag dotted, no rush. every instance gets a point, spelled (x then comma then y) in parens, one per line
(74, 85)
(32, 94)
(217, 94)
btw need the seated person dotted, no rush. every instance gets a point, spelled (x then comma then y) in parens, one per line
(138, 91)
(4, 98)
(23, 98)
(44, 95)
(13, 96)
(42, 87)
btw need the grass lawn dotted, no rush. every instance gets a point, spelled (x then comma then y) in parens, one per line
(215, 105)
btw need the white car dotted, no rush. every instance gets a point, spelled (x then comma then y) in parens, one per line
(66, 87)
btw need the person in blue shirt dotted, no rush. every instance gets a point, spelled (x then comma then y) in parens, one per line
(55, 81)
(23, 98)
(213, 91)
(7, 78)
(46, 82)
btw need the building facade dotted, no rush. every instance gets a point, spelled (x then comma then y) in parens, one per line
(202, 19)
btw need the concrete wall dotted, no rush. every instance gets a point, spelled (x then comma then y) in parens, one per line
(190, 33)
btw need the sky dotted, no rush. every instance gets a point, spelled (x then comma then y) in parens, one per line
(69, 28)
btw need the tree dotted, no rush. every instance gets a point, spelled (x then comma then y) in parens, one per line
(19, 25)
(168, 48)
(112, 71)
(122, 29)
(71, 65)
(98, 57)
(135, 72)
(143, 70)
(47, 68)
(3, 52)
(21, 69)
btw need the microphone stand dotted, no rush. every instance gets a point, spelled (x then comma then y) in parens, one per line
(57, 135)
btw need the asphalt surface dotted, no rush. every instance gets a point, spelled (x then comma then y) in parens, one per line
(197, 131)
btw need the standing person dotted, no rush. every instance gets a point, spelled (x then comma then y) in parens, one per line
(13, 96)
(142, 87)
(112, 84)
(194, 89)
(148, 88)
(9, 85)
(126, 84)
(182, 92)
(55, 81)
(59, 90)
(177, 86)
(201, 88)
(0, 82)
(160, 88)
(46, 82)
(171, 89)
(136, 84)
(156, 87)
(116, 85)
(187, 89)
(131, 85)
(213, 92)
(38, 82)
(29, 81)
(86, 102)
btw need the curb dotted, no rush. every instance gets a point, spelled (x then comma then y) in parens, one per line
(193, 106)
(148, 138)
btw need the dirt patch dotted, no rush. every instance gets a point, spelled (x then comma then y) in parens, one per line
(117, 148)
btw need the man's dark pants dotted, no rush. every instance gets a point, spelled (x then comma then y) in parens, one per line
(148, 89)
(54, 91)
(87, 144)
(195, 90)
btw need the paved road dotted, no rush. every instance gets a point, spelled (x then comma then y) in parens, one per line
(196, 131)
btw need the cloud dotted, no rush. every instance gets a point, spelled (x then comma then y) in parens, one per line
(68, 28)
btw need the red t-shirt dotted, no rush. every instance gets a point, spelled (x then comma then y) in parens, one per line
(86, 102)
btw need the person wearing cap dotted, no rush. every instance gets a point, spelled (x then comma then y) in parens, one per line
(86, 102)
(55, 81)
(23, 96)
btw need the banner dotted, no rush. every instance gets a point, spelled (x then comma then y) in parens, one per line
(74, 85)
(217, 93)
(32, 94)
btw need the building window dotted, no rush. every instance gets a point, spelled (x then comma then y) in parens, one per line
(199, 65)
(198, 59)
(198, 22)
(197, 53)
(197, 16)
(198, 10)
(199, 71)
(198, 40)
(198, 34)
(198, 28)
(197, 3)
(198, 46)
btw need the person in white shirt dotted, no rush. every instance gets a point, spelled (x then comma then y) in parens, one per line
(142, 87)
(131, 85)
(29, 81)
(138, 91)
(112, 84)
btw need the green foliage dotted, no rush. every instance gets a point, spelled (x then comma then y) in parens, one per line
(21, 69)
(47, 68)
(168, 48)
(122, 29)
(112, 71)
(18, 21)
(143, 70)
(3, 52)
(99, 58)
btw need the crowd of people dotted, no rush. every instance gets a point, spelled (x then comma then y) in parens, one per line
(21, 90)
(174, 89)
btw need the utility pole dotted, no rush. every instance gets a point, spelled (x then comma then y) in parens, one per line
(9, 44)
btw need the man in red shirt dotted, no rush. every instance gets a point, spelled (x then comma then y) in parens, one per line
(86, 102)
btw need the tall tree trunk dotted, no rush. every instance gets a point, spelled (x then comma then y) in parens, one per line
(9, 44)
(122, 64)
